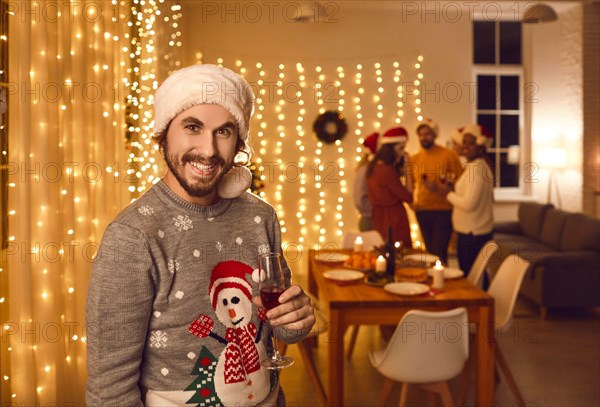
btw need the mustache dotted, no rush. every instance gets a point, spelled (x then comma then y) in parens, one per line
(199, 158)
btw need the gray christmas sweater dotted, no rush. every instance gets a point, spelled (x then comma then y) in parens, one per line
(170, 320)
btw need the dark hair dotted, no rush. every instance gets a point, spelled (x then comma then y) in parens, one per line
(241, 146)
(385, 154)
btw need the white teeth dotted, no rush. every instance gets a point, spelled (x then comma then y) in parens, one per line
(202, 167)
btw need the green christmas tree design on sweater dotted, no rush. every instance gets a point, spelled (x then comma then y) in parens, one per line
(204, 386)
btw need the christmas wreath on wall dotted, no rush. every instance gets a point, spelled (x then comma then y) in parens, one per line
(330, 126)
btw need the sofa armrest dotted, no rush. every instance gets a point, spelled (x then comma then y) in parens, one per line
(512, 228)
(580, 260)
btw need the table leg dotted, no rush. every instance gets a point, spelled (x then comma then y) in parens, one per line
(336, 358)
(486, 346)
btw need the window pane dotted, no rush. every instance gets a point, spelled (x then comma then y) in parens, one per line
(486, 92)
(509, 92)
(510, 42)
(484, 35)
(489, 122)
(509, 173)
(509, 130)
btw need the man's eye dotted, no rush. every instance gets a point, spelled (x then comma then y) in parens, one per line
(224, 132)
(192, 127)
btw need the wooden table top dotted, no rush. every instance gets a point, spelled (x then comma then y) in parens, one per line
(456, 292)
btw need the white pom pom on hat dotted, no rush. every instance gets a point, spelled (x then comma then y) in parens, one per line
(208, 84)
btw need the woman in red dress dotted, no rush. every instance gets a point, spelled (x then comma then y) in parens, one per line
(386, 191)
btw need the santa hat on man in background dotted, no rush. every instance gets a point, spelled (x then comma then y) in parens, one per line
(482, 136)
(433, 126)
(394, 135)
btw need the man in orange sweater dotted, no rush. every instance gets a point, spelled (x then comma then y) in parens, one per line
(431, 165)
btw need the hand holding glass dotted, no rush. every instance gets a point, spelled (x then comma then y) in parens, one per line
(272, 285)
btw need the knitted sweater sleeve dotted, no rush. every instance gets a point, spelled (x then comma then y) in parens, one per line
(119, 304)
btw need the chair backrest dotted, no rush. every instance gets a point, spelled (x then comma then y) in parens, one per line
(488, 250)
(505, 287)
(371, 238)
(427, 346)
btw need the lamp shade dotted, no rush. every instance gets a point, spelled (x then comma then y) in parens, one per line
(552, 158)
(539, 13)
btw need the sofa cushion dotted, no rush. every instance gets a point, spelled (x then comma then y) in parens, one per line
(531, 216)
(581, 233)
(553, 226)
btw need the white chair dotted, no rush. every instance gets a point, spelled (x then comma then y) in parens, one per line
(371, 239)
(479, 267)
(504, 288)
(428, 349)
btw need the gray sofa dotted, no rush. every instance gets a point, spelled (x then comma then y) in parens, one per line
(564, 251)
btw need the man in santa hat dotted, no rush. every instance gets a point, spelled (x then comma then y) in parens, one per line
(154, 267)
(432, 166)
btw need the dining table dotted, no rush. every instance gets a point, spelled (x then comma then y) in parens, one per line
(359, 303)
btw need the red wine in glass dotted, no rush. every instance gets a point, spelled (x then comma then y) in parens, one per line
(270, 296)
(272, 285)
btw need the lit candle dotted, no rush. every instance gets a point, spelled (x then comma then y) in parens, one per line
(417, 244)
(359, 245)
(438, 275)
(380, 264)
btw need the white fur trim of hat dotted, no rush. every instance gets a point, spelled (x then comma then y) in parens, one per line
(482, 136)
(208, 84)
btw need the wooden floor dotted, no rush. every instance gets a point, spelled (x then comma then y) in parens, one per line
(556, 362)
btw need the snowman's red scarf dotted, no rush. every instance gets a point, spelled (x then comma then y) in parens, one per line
(241, 354)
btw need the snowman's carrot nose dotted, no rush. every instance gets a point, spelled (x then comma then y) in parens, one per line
(231, 313)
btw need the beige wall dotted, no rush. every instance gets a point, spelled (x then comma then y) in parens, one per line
(351, 33)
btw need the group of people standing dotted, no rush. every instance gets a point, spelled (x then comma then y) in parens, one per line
(447, 192)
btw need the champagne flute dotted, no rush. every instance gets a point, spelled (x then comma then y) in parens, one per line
(272, 285)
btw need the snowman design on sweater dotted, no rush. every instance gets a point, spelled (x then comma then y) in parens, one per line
(238, 377)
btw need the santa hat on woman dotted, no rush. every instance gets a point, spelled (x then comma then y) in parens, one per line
(371, 142)
(394, 135)
(229, 274)
(208, 84)
(482, 136)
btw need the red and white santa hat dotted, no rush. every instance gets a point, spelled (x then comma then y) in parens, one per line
(431, 124)
(371, 142)
(482, 136)
(394, 135)
(229, 274)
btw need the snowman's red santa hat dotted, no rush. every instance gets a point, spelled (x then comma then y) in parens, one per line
(229, 274)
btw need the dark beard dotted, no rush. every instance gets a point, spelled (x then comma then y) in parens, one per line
(426, 145)
(199, 189)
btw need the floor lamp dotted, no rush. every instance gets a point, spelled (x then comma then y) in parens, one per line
(553, 159)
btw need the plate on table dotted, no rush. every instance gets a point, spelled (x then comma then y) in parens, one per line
(406, 288)
(426, 257)
(331, 257)
(449, 273)
(343, 275)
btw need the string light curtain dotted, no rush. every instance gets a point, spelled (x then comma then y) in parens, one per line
(82, 76)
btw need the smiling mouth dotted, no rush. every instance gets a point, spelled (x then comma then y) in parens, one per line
(238, 321)
(202, 169)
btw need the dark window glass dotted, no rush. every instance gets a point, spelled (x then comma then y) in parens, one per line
(510, 42)
(486, 92)
(509, 173)
(509, 92)
(509, 130)
(484, 39)
(489, 122)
